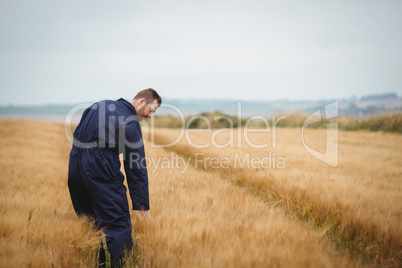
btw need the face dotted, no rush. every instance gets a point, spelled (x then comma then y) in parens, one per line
(146, 110)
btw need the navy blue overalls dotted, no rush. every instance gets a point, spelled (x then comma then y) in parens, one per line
(95, 181)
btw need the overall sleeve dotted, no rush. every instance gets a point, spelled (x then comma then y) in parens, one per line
(135, 166)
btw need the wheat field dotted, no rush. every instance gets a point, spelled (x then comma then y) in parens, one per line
(303, 214)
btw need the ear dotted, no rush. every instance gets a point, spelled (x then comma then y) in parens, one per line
(142, 101)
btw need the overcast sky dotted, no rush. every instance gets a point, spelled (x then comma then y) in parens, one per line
(76, 51)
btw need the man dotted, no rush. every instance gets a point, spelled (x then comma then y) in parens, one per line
(95, 181)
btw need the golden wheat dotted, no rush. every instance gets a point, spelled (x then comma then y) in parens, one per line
(360, 199)
(198, 219)
(38, 226)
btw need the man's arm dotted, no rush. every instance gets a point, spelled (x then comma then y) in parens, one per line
(135, 167)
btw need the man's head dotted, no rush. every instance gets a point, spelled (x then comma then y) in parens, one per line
(146, 102)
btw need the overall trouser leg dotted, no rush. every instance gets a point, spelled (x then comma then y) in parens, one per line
(111, 210)
(80, 197)
(97, 190)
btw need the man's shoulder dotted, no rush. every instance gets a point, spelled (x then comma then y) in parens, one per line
(110, 104)
(118, 107)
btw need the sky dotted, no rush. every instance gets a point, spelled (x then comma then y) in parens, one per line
(62, 52)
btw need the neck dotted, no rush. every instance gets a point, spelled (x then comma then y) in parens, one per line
(134, 103)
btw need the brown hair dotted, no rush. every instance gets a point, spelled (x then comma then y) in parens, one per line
(149, 95)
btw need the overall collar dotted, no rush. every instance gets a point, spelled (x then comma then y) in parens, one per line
(128, 104)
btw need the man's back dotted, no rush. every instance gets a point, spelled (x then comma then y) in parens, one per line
(101, 123)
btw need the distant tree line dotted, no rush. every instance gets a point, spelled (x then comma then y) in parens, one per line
(389, 122)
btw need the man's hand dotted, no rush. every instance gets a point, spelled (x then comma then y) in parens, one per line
(144, 213)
